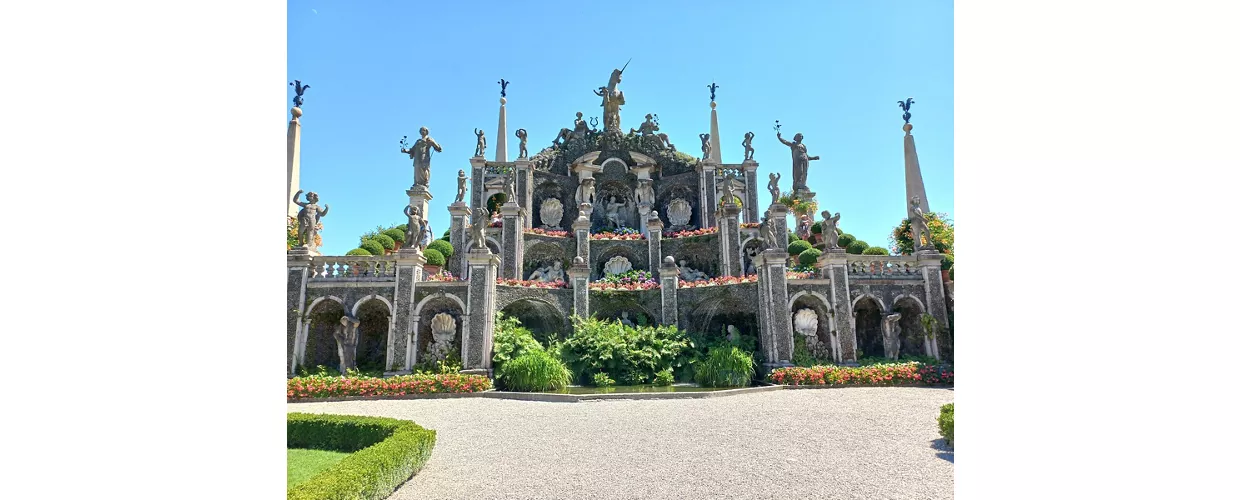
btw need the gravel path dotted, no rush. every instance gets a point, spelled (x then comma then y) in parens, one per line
(823, 443)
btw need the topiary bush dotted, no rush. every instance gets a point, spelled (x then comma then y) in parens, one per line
(358, 252)
(534, 371)
(809, 257)
(846, 239)
(385, 453)
(372, 246)
(816, 228)
(386, 241)
(443, 247)
(798, 246)
(433, 257)
(947, 422)
(857, 247)
(664, 378)
(792, 237)
(397, 235)
(875, 251)
(725, 367)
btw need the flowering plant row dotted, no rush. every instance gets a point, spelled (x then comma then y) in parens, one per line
(443, 275)
(635, 279)
(496, 223)
(748, 225)
(690, 233)
(548, 232)
(720, 280)
(532, 283)
(317, 386)
(799, 275)
(634, 286)
(911, 373)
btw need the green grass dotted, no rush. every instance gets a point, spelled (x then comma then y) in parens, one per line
(304, 464)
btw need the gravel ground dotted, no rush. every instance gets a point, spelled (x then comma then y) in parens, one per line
(823, 443)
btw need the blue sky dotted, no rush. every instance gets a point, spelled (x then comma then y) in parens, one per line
(830, 70)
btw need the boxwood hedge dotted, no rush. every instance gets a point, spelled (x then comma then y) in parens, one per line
(385, 453)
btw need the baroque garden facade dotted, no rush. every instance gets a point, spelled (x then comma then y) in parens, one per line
(615, 224)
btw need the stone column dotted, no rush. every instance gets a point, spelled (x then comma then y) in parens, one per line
(513, 241)
(931, 266)
(419, 198)
(774, 318)
(706, 178)
(751, 191)
(579, 279)
(294, 160)
(457, 234)
(654, 236)
(779, 222)
(730, 263)
(581, 229)
(669, 283)
(715, 154)
(299, 262)
(409, 262)
(479, 168)
(525, 190)
(834, 266)
(501, 139)
(912, 171)
(476, 342)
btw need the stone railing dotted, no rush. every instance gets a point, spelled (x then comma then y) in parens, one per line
(884, 266)
(366, 268)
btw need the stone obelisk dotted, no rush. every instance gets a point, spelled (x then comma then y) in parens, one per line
(294, 160)
(714, 129)
(912, 169)
(501, 139)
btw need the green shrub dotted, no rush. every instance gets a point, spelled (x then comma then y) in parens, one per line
(358, 251)
(534, 371)
(875, 251)
(511, 340)
(664, 377)
(602, 380)
(447, 233)
(397, 235)
(845, 240)
(632, 355)
(443, 247)
(385, 453)
(386, 241)
(856, 247)
(947, 422)
(725, 367)
(403, 228)
(951, 274)
(796, 247)
(948, 261)
(816, 228)
(792, 237)
(809, 257)
(372, 246)
(433, 257)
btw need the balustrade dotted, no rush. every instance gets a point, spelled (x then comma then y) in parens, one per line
(369, 268)
(884, 266)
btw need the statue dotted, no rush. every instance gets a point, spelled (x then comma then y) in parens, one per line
(891, 335)
(917, 223)
(690, 274)
(477, 229)
(301, 89)
(443, 330)
(421, 155)
(612, 100)
(773, 186)
(551, 212)
(579, 130)
(503, 87)
(905, 105)
(481, 148)
(748, 143)
(613, 212)
(624, 319)
(729, 190)
(617, 265)
(705, 146)
(648, 127)
(346, 342)
(585, 210)
(415, 226)
(548, 273)
(460, 186)
(751, 251)
(734, 333)
(510, 188)
(712, 88)
(829, 233)
(308, 218)
(585, 191)
(523, 135)
(644, 194)
(800, 160)
(767, 233)
(665, 143)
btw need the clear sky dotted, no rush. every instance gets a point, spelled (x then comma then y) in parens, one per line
(830, 70)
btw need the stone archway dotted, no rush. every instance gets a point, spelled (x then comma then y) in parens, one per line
(867, 323)
(373, 335)
(911, 340)
(541, 318)
(425, 312)
(319, 348)
(715, 313)
(825, 341)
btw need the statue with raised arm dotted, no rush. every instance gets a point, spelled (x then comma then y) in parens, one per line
(748, 143)
(647, 128)
(413, 228)
(300, 89)
(705, 146)
(481, 148)
(460, 186)
(800, 160)
(772, 185)
(477, 228)
(613, 212)
(346, 342)
(523, 136)
(420, 152)
(891, 335)
(917, 223)
(613, 98)
(308, 218)
(829, 233)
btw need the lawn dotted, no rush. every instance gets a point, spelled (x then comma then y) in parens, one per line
(304, 464)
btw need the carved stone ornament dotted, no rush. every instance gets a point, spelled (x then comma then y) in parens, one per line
(552, 211)
(679, 212)
(806, 322)
(443, 330)
(617, 265)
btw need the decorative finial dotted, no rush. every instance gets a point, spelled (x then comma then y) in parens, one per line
(712, 88)
(777, 125)
(904, 106)
(300, 89)
(503, 87)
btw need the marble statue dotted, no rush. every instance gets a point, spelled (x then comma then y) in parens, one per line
(705, 146)
(308, 218)
(613, 212)
(748, 143)
(829, 234)
(644, 194)
(301, 89)
(481, 148)
(548, 273)
(648, 127)
(477, 228)
(905, 105)
(552, 211)
(767, 233)
(772, 185)
(917, 223)
(750, 253)
(584, 211)
(510, 188)
(460, 186)
(800, 160)
(346, 343)
(665, 143)
(578, 130)
(414, 228)
(612, 100)
(729, 189)
(734, 333)
(443, 331)
(420, 152)
(891, 335)
(523, 136)
(624, 319)
(679, 212)
(617, 265)
(690, 274)
(585, 191)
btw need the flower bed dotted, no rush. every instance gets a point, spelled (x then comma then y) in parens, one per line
(749, 225)
(799, 275)
(316, 386)
(497, 223)
(624, 233)
(690, 233)
(548, 232)
(720, 280)
(531, 283)
(911, 373)
(443, 275)
(635, 279)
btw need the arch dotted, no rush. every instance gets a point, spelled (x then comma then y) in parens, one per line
(417, 310)
(867, 325)
(317, 343)
(822, 298)
(543, 318)
(911, 341)
(714, 312)
(426, 309)
(616, 250)
(881, 306)
(306, 314)
(357, 305)
(612, 161)
(896, 301)
(374, 347)
(823, 342)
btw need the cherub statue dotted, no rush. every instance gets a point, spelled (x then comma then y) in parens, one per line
(891, 335)
(510, 188)
(301, 89)
(829, 233)
(624, 319)
(728, 189)
(705, 146)
(460, 186)
(665, 143)
(308, 218)
(644, 194)
(481, 148)
(917, 223)
(748, 143)
(477, 228)
(523, 136)
(773, 186)
(413, 229)
(767, 234)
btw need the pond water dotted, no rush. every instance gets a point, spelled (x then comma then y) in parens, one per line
(628, 389)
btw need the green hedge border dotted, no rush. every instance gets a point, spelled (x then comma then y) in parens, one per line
(386, 452)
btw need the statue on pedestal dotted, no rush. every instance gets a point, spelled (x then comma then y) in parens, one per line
(728, 189)
(481, 148)
(523, 135)
(705, 146)
(613, 212)
(510, 188)
(477, 228)
(773, 186)
(748, 143)
(917, 223)
(414, 228)
(891, 335)
(420, 152)
(346, 342)
(829, 234)
(800, 160)
(308, 218)
(767, 233)
(585, 191)
(460, 186)
(644, 194)
(612, 100)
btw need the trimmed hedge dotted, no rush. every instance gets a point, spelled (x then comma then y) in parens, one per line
(816, 228)
(433, 257)
(856, 247)
(442, 247)
(809, 257)
(798, 246)
(372, 246)
(358, 251)
(385, 240)
(875, 251)
(397, 235)
(792, 237)
(385, 453)
(947, 422)
(845, 240)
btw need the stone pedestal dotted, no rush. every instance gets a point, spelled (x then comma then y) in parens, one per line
(298, 274)
(579, 279)
(669, 282)
(478, 168)
(774, 318)
(525, 190)
(706, 210)
(833, 265)
(931, 266)
(512, 240)
(581, 230)
(476, 342)
(731, 262)
(458, 232)
(654, 238)
(750, 168)
(419, 198)
(409, 262)
(779, 224)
